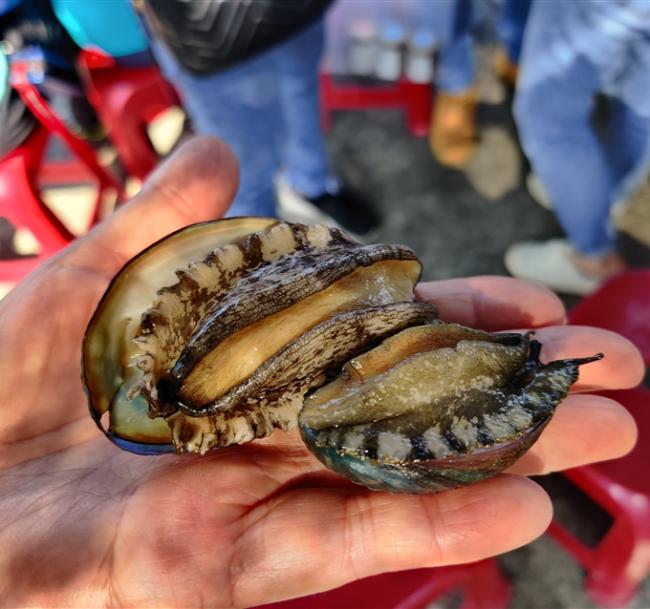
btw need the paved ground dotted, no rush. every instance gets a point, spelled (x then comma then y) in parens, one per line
(458, 232)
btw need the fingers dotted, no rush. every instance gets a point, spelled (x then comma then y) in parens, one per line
(197, 183)
(621, 368)
(493, 303)
(326, 539)
(584, 429)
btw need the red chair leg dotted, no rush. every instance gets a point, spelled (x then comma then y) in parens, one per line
(621, 565)
(583, 554)
(615, 567)
(81, 149)
(481, 584)
(126, 100)
(324, 106)
(488, 588)
(418, 108)
(127, 130)
(21, 205)
(413, 589)
(23, 169)
(441, 581)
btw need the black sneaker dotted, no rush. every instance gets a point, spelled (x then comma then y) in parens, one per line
(346, 210)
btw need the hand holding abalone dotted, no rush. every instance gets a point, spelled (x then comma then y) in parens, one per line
(273, 325)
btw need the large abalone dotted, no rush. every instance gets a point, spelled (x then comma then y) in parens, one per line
(224, 331)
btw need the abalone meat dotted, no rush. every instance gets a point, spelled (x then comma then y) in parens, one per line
(224, 331)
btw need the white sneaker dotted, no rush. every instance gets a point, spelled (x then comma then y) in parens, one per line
(551, 263)
(537, 191)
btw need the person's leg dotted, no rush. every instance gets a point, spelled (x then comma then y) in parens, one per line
(306, 165)
(453, 127)
(511, 26)
(307, 189)
(554, 110)
(239, 105)
(456, 69)
(554, 120)
(627, 142)
(572, 52)
(627, 139)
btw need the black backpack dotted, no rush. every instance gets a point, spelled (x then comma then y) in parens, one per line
(209, 35)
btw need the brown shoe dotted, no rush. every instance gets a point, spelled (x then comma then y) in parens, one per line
(453, 127)
(505, 69)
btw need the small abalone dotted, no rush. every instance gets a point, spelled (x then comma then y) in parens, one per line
(270, 325)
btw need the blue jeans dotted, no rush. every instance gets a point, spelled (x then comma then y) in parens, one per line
(573, 51)
(267, 110)
(456, 69)
(511, 26)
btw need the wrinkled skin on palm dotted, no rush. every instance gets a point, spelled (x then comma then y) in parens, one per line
(225, 331)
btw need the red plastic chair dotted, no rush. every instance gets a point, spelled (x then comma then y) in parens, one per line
(20, 203)
(413, 98)
(126, 100)
(621, 560)
(481, 585)
(23, 169)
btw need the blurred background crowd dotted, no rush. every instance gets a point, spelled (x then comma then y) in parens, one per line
(490, 135)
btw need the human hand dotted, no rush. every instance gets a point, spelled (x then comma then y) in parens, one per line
(85, 524)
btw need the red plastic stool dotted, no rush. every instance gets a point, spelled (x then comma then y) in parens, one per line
(481, 585)
(127, 99)
(23, 169)
(413, 98)
(621, 560)
(85, 165)
(21, 205)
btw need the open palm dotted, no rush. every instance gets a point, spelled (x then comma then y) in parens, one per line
(85, 524)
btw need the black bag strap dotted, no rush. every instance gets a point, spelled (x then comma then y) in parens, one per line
(209, 35)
